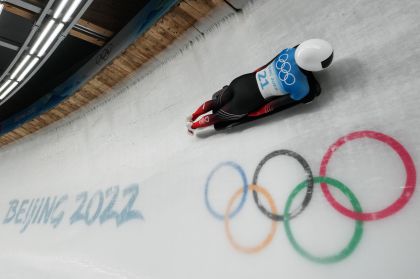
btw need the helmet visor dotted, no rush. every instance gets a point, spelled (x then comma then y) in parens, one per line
(327, 61)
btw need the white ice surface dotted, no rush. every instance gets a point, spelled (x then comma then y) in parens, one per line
(137, 135)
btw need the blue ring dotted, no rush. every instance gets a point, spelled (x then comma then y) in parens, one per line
(244, 193)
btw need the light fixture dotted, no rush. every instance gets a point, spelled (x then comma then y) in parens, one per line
(26, 71)
(46, 36)
(8, 90)
(17, 70)
(60, 8)
(50, 39)
(5, 85)
(71, 10)
(42, 36)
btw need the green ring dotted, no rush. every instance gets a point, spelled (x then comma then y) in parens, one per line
(358, 231)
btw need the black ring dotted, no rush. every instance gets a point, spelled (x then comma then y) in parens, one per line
(309, 182)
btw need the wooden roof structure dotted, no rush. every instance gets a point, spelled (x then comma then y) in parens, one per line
(178, 20)
(103, 17)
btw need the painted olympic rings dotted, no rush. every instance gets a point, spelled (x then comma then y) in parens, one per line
(309, 183)
(270, 236)
(358, 231)
(323, 180)
(410, 182)
(244, 190)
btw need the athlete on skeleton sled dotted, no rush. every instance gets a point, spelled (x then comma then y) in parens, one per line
(285, 81)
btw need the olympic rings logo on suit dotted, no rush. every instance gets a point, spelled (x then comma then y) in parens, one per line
(308, 184)
(284, 70)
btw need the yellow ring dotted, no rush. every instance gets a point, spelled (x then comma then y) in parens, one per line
(269, 238)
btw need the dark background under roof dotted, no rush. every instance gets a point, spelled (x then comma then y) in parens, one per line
(72, 53)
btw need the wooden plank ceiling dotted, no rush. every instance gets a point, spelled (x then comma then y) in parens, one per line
(158, 38)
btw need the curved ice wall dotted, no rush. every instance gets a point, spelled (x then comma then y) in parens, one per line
(119, 190)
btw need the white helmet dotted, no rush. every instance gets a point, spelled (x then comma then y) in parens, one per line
(314, 55)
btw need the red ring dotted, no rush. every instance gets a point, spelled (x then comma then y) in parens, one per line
(410, 182)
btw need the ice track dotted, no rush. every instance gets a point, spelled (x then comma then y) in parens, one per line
(119, 190)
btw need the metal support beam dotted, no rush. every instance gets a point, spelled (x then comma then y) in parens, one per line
(29, 38)
(138, 25)
(19, 12)
(83, 29)
(25, 5)
(9, 44)
(63, 34)
(89, 32)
